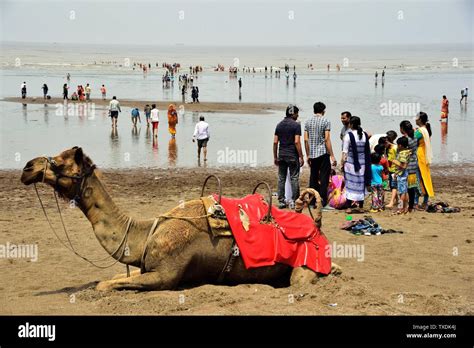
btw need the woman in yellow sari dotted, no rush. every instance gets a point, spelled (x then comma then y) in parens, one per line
(172, 120)
(425, 156)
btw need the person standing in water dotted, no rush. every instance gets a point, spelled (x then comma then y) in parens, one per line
(23, 90)
(202, 135)
(103, 91)
(147, 111)
(444, 109)
(114, 109)
(88, 92)
(155, 119)
(183, 92)
(464, 95)
(45, 90)
(172, 120)
(240, 83)
(65, 91)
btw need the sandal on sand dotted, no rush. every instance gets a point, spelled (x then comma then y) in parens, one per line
(399, 212)
(355, 211)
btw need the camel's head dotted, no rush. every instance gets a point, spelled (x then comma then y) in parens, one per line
(64, 172)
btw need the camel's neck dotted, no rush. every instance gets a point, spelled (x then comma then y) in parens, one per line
(110, 224)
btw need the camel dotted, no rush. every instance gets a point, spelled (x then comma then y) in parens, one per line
(179, 252)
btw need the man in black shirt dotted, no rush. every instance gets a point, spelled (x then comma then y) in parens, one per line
(290, 157)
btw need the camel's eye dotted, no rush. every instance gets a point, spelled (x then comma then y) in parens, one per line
(56, 165)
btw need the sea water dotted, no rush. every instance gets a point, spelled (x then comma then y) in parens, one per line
(412, 83)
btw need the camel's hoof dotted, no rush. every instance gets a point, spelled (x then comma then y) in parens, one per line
(301, 276)
(336, 269)
(119, 276)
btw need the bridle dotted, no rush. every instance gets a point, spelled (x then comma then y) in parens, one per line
(83, 176)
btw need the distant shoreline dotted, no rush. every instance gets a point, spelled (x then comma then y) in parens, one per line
(234, 108)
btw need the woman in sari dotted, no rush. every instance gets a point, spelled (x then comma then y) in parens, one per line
(172, 120)
(425, 156)
(356, 165)
(414, 188)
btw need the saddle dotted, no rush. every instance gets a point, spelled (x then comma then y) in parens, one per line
(266, 235)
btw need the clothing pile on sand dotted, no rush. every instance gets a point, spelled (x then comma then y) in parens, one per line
(441, 207)
(366, 226)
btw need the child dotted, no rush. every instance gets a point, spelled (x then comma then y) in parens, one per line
(376, 184)
(401, 163)
(380, 149)
(135, 116)
(147, 111)
(391, 151)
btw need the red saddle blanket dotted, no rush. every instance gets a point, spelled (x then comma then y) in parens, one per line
(292, 238)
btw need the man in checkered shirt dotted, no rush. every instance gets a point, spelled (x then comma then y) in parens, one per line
(317, 141)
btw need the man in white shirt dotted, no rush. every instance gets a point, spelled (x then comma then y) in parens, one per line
(201, 133)
(114, 109)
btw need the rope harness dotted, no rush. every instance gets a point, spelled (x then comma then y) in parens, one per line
(77, 198)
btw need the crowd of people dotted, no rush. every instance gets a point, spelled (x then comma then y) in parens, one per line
(152, 115)
(371, 164)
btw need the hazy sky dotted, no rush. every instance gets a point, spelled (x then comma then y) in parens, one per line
(230, 22)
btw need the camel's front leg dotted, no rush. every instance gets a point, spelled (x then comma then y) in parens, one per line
(124, 275)
(302, 275)
(146, 281)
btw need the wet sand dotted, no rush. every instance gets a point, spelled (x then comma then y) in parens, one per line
(238, 108)
(411, 273)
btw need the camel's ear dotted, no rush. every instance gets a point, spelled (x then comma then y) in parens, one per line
(79, 156)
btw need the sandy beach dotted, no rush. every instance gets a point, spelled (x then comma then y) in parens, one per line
(427, 270)
(238, 108)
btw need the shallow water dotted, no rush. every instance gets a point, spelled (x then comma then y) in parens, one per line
(29, 131)
(236, 140)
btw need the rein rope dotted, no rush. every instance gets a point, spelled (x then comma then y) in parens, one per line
(70, 247)
(123, 242)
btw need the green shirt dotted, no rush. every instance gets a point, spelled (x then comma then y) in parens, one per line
(402, 157)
